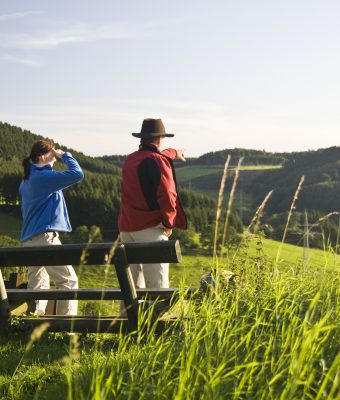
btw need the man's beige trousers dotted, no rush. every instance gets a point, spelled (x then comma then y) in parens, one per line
(148, 275)
(63, 276)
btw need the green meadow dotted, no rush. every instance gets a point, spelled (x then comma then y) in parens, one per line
(193, 266)
(185, 173)
(272, 335)
(194, 171)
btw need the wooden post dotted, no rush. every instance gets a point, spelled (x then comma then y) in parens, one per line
(5, 313)
(127, 287)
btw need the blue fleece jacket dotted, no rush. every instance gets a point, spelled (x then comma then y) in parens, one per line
(42, 202)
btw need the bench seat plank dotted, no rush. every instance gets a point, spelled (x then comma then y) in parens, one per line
(90, 294)
(89, 324)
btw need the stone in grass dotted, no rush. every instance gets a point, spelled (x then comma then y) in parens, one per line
(224, 280)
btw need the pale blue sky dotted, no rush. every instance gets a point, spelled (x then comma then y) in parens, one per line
(221, 74)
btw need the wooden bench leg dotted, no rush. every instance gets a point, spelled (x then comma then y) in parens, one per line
(127, 287)
(5, 313)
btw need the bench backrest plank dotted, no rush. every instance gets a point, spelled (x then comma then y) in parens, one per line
(96, 254)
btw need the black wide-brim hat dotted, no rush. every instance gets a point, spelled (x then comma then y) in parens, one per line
(152, 128)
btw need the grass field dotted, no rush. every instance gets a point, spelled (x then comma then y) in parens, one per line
(273, 336)
(291, 255)
(259, 167)
(193, 266)
(183, 174)
(194, 171)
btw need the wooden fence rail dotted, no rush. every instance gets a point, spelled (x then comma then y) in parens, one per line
(90, 255)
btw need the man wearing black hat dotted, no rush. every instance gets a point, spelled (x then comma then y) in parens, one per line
(150, 205)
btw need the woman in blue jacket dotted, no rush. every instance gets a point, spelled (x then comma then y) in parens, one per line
(45, 214)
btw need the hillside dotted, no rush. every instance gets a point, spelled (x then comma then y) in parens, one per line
(264, 171)
(94, 201)
(251, 158)
(319, 194)
(16, 144)
(321, 189)
(321, 169)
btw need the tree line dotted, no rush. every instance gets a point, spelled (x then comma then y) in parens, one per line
(95, 201)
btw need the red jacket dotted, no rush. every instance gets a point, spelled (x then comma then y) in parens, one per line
(149, 192)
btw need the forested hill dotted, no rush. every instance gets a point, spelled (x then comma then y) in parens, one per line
(321, 168)
(95, 200)
(319, 195)
(16, 143)
(262, 157)
(320, 191)
(251, 157)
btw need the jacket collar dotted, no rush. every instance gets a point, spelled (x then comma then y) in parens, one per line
(40, 168)
(149, 147)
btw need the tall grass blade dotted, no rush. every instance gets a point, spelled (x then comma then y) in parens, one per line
(230, 203)
(292, 207)
(257, 216)
(219, 208)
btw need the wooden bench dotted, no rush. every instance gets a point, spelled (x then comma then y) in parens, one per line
(120, 256)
